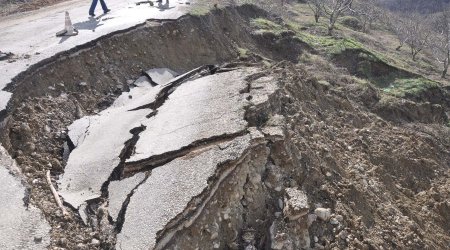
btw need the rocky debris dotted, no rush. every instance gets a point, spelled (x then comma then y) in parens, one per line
(323, 213)
(295, 204)
(22, 225)
(5, 56)
(289, 235)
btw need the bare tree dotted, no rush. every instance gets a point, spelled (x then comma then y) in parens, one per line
(316, 7)
(367, 12)
(333, 9)
(418, 33)
(440, 40)
(398, 26)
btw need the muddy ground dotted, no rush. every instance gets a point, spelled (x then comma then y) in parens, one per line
(375, 173)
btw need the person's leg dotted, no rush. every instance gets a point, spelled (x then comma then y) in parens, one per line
(104, 7)
(92, 9)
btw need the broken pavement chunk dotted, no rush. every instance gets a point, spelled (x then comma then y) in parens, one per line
(169, 189)
(206, 107)
(141, 89)
(118, 192)
(160, 76)
(91, 163)
(78, 130)
(296, 204)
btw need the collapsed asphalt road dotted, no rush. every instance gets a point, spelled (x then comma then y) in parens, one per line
(36, 132)
(186, 128)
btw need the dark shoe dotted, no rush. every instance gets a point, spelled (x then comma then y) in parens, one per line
(106, 11)
(92, 15)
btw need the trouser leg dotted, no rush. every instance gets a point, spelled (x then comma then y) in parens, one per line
(104, 7)
(93, 5)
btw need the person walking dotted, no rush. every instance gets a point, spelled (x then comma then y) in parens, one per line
(94, 4)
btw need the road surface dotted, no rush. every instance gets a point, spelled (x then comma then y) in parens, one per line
(31, 36)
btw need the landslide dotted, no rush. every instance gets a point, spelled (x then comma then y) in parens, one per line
(373, 159)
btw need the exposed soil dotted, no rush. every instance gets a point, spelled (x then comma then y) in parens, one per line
(8, 7)
(382, 168)
(365, 65)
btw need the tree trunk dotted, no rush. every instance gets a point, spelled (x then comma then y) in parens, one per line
(414, 53)
(444, 72)
(316, 17)
(331, 26)
(364, 26)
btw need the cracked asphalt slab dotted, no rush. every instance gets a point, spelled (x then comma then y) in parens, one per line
(169, 189)
(203, 108)
(93, 160)
(196, 123)
(91, 163)
(118, 192)
(21, 226)
(198, 109)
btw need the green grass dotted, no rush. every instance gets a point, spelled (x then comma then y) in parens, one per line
(243, 53)
(331, 45)
(199, 10)
(350, 22)
(412, 86)
(393, 83)
(262, 25)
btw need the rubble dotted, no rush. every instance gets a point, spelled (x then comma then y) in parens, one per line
(296, 204)
(323, 213)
